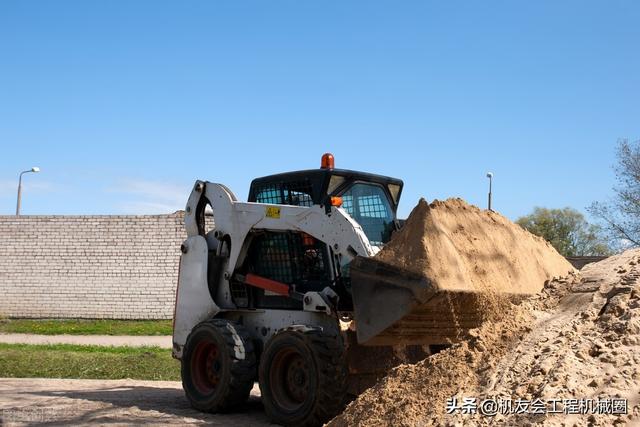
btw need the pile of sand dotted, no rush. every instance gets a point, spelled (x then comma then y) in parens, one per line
(470, 264)
(577, 339)
(459, 247)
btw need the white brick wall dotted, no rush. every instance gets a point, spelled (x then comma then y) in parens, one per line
(119, 267)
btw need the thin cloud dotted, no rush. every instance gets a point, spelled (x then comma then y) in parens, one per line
(10, 187)
(146, 208)
(150, 197)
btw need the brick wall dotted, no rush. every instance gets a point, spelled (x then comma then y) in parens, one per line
(120, 267)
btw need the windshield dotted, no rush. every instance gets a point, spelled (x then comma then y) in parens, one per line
(369, 206)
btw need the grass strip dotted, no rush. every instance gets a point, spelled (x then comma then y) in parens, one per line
(86, 327)
(87, 362)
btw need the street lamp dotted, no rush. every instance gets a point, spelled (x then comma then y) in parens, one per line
(490, 176)
(34, 169)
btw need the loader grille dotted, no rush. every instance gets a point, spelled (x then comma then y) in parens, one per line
(239, 293)
(293, 258)
(274, 259)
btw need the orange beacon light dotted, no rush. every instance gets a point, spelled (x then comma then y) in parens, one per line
(327, 161)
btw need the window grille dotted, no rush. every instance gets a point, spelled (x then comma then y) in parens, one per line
(369, 206)
(291, 258)
(288, 193)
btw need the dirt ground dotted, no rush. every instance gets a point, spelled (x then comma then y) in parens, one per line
(53, 402)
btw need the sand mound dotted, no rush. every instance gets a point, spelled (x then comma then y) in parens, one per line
(577, 339)
(460, 247)
(466, 264)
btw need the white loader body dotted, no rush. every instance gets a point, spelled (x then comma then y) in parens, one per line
(233, 221)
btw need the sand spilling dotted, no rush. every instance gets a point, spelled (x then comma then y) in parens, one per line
(450, 268)
(577, 342)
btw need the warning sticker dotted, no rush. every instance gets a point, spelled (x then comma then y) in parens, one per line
(272, 212)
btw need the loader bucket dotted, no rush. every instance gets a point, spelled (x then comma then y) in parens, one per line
(394, 306)
(451, 267)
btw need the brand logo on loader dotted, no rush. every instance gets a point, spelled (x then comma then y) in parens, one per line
(272, 212)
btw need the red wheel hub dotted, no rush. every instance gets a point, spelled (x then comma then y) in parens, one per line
(289, 378)
(206, 366)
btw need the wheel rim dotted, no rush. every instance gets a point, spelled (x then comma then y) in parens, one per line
(206, 366)
(289, 378)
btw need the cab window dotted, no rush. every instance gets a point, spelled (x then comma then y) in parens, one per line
(369, 206)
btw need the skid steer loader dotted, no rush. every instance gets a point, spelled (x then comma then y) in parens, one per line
(283, 290)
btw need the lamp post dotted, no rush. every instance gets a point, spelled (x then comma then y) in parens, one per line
(490, 176)
(34, 169)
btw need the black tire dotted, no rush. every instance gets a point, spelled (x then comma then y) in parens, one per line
(303, 377)
(218, 366)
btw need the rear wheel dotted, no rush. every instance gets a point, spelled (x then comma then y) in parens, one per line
(303, 377)
(218, 366)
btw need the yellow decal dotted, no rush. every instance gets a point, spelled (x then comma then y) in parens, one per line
(272, 212)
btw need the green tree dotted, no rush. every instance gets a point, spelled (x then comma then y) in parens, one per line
(621, 214)
(567, 230)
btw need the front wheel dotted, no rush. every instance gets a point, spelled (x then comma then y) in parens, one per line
(218, 366)
(303, 377)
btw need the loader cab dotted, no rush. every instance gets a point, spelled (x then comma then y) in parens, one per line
(296, 259)
(371, 200)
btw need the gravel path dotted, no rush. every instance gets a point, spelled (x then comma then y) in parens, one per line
(49, 402)
(107, 340)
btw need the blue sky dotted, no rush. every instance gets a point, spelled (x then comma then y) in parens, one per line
(124, 104)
